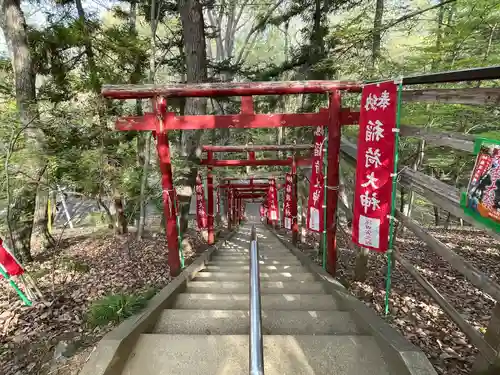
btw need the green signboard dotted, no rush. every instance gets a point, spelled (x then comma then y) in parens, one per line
(482, 198)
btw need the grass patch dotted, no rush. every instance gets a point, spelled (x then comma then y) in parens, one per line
(38, 274)
(115, 308)
(75, 265)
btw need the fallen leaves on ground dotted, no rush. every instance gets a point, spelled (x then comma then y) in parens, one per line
(85, 268)
(412, 312)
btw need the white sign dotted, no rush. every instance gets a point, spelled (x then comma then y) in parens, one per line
(314, 219)
(369, 231)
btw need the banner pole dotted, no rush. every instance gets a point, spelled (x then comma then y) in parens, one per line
(49, 216)
(393, 198)
(325, 166)
(7, 277)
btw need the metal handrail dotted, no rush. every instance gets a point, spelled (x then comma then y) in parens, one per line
(256, 346)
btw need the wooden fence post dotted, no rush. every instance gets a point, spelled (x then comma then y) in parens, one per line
(492, 337)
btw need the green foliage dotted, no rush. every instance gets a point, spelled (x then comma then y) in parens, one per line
(38, 274)
(115, 308)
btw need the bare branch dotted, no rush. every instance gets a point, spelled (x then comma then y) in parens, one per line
(256, 28)
(415, 13)
(218, 43)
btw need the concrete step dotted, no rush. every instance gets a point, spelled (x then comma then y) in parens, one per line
(237, 322)
(262, 249)
(261, 253)
(210, 301)
(244, 276)
(267, 287)
(263, 268)
(267, 262)
(156, 354)
(261, 257)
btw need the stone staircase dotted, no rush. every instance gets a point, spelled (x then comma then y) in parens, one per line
(199, 323)
(307, 331)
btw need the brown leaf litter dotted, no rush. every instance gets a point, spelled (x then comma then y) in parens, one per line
(412, 312)
(85, 268)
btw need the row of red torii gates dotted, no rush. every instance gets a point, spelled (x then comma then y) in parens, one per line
(161, 121)
(235, 193)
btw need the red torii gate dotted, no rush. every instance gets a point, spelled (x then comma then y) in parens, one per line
(251, 161)
(161, 121)
(210, 162)
(237, 203)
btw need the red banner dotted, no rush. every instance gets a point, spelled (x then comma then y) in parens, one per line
(201, 211)
(287, 206)
(315, 222)
(272, 200)
(8, 262)
(373, 192)
(262, 211)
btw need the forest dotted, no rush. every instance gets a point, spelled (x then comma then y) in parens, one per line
(58, 139)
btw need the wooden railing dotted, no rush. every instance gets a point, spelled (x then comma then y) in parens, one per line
(446, 197)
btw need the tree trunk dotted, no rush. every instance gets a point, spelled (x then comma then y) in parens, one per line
(121, 226)
(143, 198)
(191, 14)
(447, 221)
(100, 203)
(361, 265)
(279, 140)
(436, 215)
(41, 232)
(377, 25)
(21, 219)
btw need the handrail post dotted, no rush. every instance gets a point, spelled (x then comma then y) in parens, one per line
(256, 345)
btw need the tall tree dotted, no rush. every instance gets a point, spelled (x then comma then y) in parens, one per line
(193, 31)
(377, 32)
(121, 224)
(21, 215)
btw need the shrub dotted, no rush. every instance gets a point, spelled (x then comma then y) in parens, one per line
(117, 307)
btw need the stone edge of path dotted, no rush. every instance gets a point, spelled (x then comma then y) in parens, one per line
(112, 351)
(402, 356)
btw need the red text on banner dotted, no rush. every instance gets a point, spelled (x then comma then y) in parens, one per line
(272, 201)
(287, 205)
(375, 165)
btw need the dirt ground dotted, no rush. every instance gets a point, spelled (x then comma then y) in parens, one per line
(412, 312)
(87, 266)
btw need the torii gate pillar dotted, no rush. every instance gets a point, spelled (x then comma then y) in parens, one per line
(210, 188)
(169, 197)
